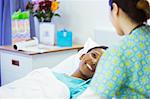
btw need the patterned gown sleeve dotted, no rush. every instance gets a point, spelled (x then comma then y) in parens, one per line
(110, 73)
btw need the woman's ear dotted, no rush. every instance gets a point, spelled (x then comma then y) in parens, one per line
(81, 56)
(115, 9)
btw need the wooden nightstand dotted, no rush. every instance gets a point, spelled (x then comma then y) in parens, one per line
(16, 64)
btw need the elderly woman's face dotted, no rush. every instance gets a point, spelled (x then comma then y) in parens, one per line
(89, 61)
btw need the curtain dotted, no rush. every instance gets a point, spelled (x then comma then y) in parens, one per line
(19, 4)
(5, 22)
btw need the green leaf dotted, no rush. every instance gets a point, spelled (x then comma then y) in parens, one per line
(56, 14)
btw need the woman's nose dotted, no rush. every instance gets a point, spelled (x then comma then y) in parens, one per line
(94, 60)
(90, 61)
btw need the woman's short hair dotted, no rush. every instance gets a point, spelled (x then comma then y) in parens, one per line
(102, 47)
(137, 10)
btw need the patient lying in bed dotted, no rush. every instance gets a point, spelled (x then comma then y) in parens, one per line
(81, 78)
(44, 83)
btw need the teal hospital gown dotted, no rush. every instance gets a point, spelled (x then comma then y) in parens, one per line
(123, 71)
(75, 85)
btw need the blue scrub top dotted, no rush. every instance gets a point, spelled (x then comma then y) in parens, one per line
(75, 85)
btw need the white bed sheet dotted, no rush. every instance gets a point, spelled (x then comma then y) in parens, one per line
(39, 84)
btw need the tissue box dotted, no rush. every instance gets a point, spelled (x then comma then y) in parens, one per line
(64, 38)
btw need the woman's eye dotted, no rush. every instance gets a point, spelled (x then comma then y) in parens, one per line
(93, 55)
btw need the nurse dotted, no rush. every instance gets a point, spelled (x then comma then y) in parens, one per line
(124, 70)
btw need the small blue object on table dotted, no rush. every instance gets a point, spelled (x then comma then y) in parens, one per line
(64, 38)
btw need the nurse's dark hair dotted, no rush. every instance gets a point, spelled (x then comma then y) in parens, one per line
(137, 10)
(102, 47)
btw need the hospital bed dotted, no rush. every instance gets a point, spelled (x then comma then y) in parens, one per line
(41, 84)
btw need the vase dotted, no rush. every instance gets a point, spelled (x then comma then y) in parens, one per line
(36, 25)
(46, 33)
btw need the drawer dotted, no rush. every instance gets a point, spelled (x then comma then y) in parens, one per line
(14, 66)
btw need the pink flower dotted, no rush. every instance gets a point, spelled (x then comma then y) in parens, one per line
(41, 0)
(37, 1)
(36, 7)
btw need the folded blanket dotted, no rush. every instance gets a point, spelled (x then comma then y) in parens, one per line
(39, 84)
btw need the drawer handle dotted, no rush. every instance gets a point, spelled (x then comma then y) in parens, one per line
(15, 62)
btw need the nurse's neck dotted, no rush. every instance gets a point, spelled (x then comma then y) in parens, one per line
(127, 29)
(79, 74)
(128, 26)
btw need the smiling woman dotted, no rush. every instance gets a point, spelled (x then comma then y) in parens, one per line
(88, 63)
(81, 78)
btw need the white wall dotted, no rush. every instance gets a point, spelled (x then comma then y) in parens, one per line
(82, 17)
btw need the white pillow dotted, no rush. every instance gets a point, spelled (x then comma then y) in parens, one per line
(69, 65)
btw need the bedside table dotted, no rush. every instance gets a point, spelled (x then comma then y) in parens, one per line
(16, 64)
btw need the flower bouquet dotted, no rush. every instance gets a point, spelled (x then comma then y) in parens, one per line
(44, 10)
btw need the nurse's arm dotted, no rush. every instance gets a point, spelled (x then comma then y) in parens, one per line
(110, 74)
